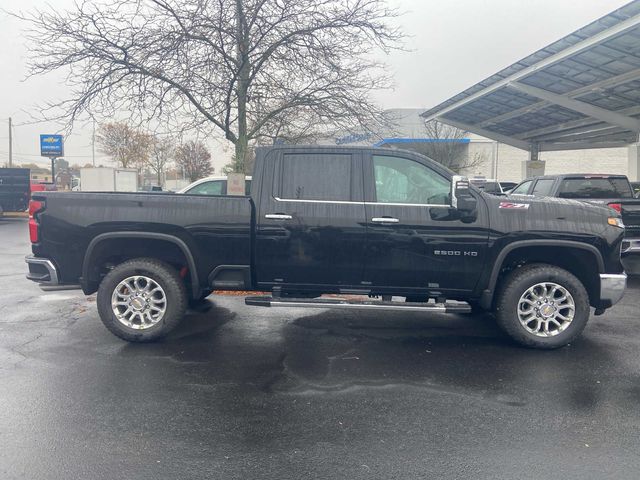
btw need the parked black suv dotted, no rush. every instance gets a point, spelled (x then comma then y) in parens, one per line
(357, 221)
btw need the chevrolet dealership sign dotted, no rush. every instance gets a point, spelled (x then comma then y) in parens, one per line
(51, 146)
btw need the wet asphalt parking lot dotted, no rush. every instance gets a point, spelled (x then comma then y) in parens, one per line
(243, 392)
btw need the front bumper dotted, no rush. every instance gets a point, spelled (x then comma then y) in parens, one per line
(630, 245)
(612, 287)
(42, 271)
(630, 255)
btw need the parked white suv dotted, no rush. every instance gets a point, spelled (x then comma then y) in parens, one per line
(212, 186)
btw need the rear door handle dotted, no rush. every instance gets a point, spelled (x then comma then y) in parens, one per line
(385, 220)
(278, 216)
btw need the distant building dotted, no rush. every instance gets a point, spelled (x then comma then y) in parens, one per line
(497, 159)
(40, 175)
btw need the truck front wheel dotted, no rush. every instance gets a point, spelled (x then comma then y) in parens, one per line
(542, 306)
(142, 300)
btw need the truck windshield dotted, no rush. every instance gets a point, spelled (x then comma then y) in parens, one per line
(595, 187)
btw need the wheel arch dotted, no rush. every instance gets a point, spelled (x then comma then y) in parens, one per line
(534, 251)
(89, 283)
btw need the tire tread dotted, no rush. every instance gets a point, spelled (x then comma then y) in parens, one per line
(174, 286)
(511, 287)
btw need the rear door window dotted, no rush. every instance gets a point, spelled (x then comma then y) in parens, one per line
(317, 176)
(607, 187)
(542, 187)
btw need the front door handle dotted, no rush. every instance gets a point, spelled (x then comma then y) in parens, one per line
(278, 216)
(385, 220)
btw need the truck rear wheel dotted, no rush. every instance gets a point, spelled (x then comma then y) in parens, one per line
(142, 300)
(542, 306)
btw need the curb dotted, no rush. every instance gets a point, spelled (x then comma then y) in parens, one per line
(15, 214)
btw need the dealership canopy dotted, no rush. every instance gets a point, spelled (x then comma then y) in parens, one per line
(582, 91)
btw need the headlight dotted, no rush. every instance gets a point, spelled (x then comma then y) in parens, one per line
(615, 222)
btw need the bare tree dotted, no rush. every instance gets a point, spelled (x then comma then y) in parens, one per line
(127, 146)
(447, 146)
(238, 66)
(195, 160)
(162, 153)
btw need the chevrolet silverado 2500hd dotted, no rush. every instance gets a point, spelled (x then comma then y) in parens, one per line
(359, 221)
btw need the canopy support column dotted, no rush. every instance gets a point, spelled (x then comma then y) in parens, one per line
(534, 166)
(633, 162)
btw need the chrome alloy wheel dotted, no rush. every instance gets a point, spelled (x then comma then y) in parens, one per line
(139, 302)
(546, 309)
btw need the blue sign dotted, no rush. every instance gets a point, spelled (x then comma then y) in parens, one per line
(51, 146)
(354, 138)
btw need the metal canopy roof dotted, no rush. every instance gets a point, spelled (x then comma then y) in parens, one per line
(582, 91)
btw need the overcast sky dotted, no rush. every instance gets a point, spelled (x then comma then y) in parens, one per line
(453, 44)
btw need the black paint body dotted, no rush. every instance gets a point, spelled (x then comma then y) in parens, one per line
(327, 246)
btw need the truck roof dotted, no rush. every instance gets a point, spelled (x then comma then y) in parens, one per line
(579, 175)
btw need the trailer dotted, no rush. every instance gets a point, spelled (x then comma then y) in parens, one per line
(106, 179)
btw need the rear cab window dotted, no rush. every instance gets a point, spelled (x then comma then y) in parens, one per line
(316, 177)
(543, 187)
(595, 187)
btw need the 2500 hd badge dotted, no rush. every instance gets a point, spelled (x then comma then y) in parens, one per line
(455, 253)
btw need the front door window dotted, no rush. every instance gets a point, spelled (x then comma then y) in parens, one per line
(400, 180)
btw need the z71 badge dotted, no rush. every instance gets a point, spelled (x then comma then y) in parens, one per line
(514, 206)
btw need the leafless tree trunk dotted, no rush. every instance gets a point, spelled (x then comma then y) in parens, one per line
(238, 66)
(162, 152)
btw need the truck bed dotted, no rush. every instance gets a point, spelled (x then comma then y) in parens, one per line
(216, 229)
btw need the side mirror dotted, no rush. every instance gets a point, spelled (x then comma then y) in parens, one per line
(462, 199)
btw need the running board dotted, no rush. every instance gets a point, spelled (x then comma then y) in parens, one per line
(448, 307)
(59, 287)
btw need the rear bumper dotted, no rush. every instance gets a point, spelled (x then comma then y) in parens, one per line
(612, 287)
(42, 270)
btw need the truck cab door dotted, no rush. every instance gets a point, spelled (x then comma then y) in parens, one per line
(415, 238)
(311, 228)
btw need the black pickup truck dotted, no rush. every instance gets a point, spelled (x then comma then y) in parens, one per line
(612, 190)
(353, 221)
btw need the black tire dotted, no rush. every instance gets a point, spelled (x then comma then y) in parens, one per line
(165, 276)
(517, 283)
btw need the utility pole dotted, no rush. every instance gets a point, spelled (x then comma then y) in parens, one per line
(10, 145)
(93, 143)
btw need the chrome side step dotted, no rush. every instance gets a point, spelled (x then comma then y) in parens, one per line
(337, 303)
(59, 287)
